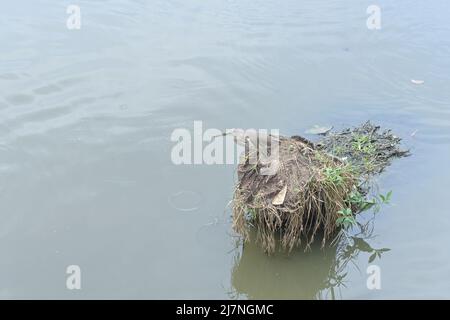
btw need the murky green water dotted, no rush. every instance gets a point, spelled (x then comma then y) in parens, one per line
(86, 116)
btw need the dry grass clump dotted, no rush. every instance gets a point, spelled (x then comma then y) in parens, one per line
(298, 203)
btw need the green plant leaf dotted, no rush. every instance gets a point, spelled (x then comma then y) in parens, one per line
(362, 245)
(367, 205)
(389, 195)
(340, 220)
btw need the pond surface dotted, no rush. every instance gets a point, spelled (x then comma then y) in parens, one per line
(86, 116)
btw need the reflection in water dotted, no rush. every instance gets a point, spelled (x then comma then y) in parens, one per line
(301, 275)
(315, 274)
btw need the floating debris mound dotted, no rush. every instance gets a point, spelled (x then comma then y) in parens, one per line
(311, 187)
(369, 149)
